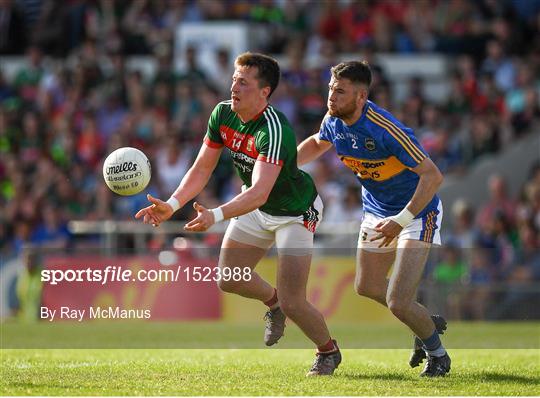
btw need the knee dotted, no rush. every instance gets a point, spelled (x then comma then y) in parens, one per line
(290, 307)
(399, 308)
(363, 289)
(228, 286)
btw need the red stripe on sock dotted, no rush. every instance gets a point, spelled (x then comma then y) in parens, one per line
(328, 347)
(273, 300)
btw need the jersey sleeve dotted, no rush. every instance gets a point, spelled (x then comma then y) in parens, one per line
(212, 137)
(325, 133)
(270, 145)
(404, 145)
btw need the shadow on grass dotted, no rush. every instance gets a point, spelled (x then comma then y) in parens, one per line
(382, 376)
(497, 377)
(493, 377)
(29, 384)
(39, 387)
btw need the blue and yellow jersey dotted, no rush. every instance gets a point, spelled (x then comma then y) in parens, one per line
(381, 152)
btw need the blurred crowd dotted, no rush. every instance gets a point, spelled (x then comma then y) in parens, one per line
(58, 120)
(402, 26)
(498, 242)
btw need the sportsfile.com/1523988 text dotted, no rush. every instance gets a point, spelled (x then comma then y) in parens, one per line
(113, 273)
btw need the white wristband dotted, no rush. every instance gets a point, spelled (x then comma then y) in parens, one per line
(174, 203)
(218, 214)
(404, 217)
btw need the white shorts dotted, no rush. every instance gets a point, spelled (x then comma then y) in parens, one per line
(425, 229)
(293, 235)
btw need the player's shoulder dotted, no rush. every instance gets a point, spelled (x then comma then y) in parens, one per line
(331, 122)
(224, 105)
(223, 112)
(272, 111)
(382, 118)
(274, 119)
(384, 126)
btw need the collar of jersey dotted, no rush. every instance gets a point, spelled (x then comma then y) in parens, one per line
(257, 116)
(362, 116)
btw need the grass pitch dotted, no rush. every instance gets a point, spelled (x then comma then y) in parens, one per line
(249, 371)
(259, 372)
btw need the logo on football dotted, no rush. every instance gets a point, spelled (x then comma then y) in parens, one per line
(127, 171)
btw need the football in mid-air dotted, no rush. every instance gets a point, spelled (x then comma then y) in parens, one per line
(127, 171)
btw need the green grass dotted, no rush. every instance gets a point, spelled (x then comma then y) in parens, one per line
(115, 334)
(259, 372)
(201, 358)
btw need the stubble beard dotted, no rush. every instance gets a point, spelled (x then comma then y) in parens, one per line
(346, 112)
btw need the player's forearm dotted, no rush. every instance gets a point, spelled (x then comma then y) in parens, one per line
(191, 185)
(309, 150)
(244, 202)
(427, 187)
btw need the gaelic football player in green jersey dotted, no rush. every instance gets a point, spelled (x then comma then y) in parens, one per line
(279, 203)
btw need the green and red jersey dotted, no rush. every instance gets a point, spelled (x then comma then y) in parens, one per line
(268, 137)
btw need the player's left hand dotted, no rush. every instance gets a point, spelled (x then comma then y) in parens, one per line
(388, 230)
(203, 221)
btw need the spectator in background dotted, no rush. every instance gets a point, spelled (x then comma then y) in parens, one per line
(6, 91)
(101, 23)
(222, 76)
(164, 70)
(449, 274)
(29, 285)
(345, 207)
(286, 99)
(51, 31)
(329, 24)
(522, 101)
(295, 73)
(32, 140)
(171, 162)
(499, 202)
(52, 232)
(457, 102)
(480, 278)
(464, 232)
(13, 29)
(531, 209)
(499, 65)
(357, 25)
(488, 98)
(418, 27)
(268, 13)
(520, 300)
(445, 151)
(112, 112)
(90, 143)
(482, 139)
(192, 72)
(28, 78)
(524, 210)
(185, 104)
(414, 102)
(506, 244)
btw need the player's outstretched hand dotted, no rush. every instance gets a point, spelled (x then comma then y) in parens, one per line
(203, 221)
(156, 213)
(388, 230)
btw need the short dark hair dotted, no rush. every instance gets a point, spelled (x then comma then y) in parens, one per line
(355, 71)
(268, 69)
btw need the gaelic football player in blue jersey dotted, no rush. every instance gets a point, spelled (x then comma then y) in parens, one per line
(402, 213)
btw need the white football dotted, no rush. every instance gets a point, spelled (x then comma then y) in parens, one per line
(127, 171)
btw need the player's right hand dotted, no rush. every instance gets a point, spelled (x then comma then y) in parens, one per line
(156, 213)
